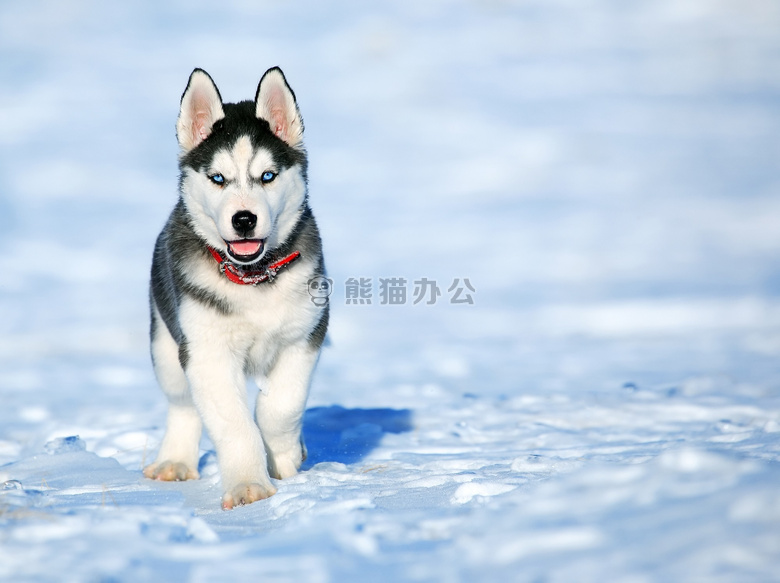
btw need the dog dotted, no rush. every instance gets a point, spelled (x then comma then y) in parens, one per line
(229, 290)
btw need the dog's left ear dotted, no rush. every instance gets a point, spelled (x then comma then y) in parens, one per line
(275, 103)
(201, 107)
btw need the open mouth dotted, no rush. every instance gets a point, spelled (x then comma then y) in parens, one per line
(245, 250)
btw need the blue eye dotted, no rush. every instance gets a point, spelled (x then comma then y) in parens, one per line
(268, 177)
(217, 179)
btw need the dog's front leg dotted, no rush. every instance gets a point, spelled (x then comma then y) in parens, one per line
(215, 374)
(178, 455)
(219, 392)
(280, 408)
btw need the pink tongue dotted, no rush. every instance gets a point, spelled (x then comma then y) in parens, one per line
(245, 247)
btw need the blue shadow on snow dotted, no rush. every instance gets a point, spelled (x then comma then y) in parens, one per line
(336, 434)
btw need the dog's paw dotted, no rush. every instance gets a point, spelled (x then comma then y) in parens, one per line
(246, 494)
(169, 471)
(283, 466)
(285, 463)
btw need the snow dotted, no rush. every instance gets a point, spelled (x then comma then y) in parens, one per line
(604, 175)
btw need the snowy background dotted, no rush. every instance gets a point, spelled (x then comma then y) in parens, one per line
(605, 174)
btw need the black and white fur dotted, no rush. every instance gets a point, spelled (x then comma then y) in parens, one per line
(207, 333)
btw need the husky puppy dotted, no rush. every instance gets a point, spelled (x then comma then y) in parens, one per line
(229, 290)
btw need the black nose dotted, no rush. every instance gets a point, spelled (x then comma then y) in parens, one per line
(244, 222)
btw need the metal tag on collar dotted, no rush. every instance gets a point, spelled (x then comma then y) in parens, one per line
(255, 280)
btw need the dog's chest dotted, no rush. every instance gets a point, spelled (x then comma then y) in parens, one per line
(254, 323)
(267, 318)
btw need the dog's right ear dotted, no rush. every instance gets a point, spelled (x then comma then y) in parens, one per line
(201, 107)
(275, 103)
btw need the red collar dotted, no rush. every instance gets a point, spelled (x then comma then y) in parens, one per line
(241, 277)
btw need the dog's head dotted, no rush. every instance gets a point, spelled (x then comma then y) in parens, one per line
(243, 165)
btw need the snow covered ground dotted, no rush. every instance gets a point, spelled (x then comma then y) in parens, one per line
(604, 174)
